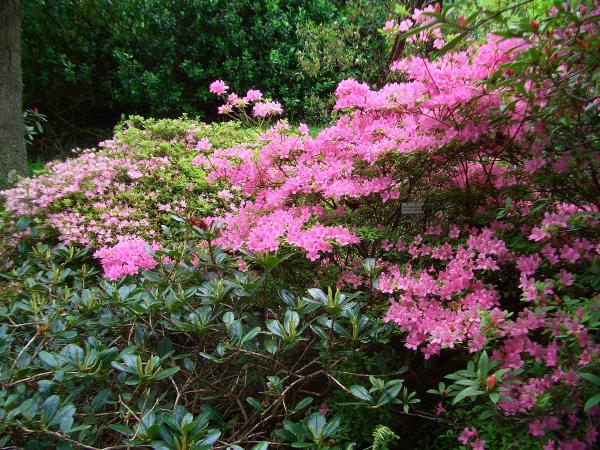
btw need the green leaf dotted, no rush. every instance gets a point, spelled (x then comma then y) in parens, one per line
(591, 402)
(250, 335)
(318, 294)
(166, 373)
(151, 276)
(331, 427)
(494, 397)
(254, 403)
(361, 393)
(50, 407)
(594, 379)
(212, 437)
(64, 417)
(302, 404)
(316, 424)
(48, 359)
(390, 393)
(483, 366)
(101, 399)
(291, 321)
(287, 298)
(274, 327)
(261, 446)
(165, 345)
(270, 346)
(470, 391)
(120, 429)
(486, 414)
(23, 223)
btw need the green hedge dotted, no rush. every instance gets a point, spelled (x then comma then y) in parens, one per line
(87, 62)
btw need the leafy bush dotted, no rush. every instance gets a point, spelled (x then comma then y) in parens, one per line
(85, 63)
(489, 124)
(129, 186)
(128, 360)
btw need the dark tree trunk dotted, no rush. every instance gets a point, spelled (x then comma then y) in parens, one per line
(12, 140)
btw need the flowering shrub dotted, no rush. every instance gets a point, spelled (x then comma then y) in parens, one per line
(128, 187)
(236, 105)
(461, 200)
(126, 364)
(486, 122)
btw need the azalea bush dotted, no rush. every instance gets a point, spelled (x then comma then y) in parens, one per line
(430, 260)
(489, 123)
(196, 351)
(128, 187)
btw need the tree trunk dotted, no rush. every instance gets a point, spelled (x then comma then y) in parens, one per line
(13, 154)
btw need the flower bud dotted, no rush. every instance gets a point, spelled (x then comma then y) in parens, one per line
(490, 383)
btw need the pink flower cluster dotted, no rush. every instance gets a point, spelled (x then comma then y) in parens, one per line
(441, 299)
(127, 257)
(119, 190)
(265, 109)
(441, 307)
(236, 105)
(443, 102)
(469, 437)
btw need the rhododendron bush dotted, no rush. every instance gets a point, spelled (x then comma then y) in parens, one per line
(487, 121)
(459, 200)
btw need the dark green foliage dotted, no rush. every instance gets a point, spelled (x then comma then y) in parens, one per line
(182, 356)
(86, 62)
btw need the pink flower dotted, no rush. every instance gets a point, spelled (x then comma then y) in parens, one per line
(565, 278)
(570, 254)
(438, 44)
(466, 435)
(253, 95)
(405, 25)
(203, 144)
(591, 435)
(224, 109)
(478, 444)
(125, 258)
(323, 409)
(528, 264)
(386, 245)
(242, 266)
(218, 87)
(537, 428)
(303, 129)
(225, 193)
(267, 109)
(533, 165)
(389, 26)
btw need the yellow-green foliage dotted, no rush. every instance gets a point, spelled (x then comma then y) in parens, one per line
(152, 175)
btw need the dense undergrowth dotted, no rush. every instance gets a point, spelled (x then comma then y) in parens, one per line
(422, 273)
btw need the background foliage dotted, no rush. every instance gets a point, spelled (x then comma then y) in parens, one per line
(87, 62)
